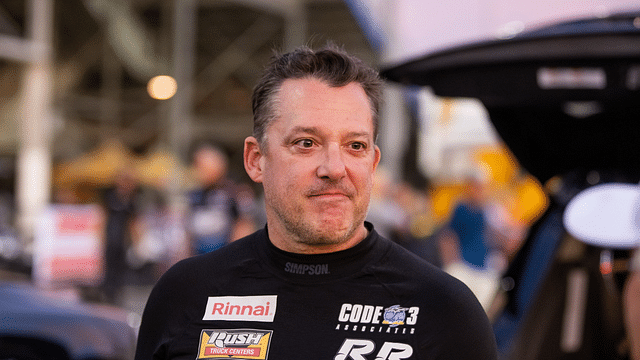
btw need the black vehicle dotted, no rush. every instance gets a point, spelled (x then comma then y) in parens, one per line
(566, 101)
(35, 325)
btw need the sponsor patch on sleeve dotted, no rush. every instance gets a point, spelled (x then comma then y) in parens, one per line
(234, 344)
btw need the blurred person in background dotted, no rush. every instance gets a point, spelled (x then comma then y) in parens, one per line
(215, 217)
(385, 210)
(464, 236)
(465, 244)
(505, 232)
(158, 241)
(421, 235)
(402, 214)
(121, 204)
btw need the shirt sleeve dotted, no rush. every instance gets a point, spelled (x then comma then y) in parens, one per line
(164, 314)
(464, 328)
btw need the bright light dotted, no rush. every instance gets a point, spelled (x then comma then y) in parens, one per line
(162, 87)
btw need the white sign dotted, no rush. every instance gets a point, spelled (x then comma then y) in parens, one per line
(68, 246)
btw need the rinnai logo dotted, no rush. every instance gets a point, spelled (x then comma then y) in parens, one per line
(241, 308)
(234, 344)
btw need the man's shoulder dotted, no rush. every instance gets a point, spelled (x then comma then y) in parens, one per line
(401, 257)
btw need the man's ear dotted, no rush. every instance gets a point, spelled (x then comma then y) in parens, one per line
(253, 159)
(376, 159)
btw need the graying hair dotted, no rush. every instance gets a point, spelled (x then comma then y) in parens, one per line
(329, 64)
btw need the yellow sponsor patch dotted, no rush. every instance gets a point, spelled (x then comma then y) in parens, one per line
(234, 344)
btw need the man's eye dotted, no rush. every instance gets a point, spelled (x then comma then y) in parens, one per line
(305, 143)
(358, 146)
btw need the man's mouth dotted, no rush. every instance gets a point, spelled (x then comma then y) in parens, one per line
(329, 194)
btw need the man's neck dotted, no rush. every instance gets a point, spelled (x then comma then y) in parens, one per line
(290, 243)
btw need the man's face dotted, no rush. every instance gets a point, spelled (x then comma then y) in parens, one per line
(210, 166)
(317, 166)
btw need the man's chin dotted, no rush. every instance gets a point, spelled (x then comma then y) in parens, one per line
(332, 231)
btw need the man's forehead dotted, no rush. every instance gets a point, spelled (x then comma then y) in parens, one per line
(308, 104)
(314, 94)
(320, 131)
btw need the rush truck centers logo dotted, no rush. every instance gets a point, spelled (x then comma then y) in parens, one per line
(241, 308)
(234, 344)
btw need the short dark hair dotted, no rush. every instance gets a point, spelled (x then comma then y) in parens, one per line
(330, 64)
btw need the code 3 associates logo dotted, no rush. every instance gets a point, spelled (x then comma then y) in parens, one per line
(241, 308)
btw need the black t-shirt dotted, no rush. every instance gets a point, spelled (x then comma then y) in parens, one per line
(250, 300)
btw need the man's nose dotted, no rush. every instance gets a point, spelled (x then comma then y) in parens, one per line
(332, 164)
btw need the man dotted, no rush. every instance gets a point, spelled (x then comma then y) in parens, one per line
(318, 282)
(121, 203)
(215, 218)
